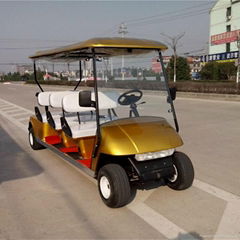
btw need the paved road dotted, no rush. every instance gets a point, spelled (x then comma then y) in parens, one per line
(43, 197)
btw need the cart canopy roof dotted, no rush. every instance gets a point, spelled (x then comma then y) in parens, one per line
(104, 47)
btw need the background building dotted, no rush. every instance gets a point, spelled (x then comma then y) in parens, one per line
(23, 69)
(224, 27)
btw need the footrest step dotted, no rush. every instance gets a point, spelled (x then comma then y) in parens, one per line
(53, 139)
(69, 149)
(86, 162)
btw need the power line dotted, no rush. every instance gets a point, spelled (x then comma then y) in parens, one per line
(24, 48)
(34, 39)
(172, 18)
(164, 14)
(175, 16)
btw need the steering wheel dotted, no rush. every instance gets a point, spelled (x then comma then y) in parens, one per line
(130, 97)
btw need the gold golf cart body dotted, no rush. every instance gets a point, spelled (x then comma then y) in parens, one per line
(107, 138)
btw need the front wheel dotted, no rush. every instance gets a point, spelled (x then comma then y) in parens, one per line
(33, 142)
(184, 172)
(113, 186)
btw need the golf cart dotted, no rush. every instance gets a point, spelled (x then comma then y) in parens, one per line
(111, 129)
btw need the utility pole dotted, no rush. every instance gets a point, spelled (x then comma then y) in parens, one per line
(111, 62)
(123, 31)
(173, 44)
(238, 64)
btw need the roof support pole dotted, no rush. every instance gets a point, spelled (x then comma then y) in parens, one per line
(96, 102)
(168, 90)
(35, 76)
(80, 75)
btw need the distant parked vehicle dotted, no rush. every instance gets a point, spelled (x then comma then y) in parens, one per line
(196, 76)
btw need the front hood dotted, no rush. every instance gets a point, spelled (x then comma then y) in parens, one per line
(138, 135)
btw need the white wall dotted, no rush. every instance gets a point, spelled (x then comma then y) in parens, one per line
(218, 23)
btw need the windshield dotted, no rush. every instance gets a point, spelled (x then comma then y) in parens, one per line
(136, 83)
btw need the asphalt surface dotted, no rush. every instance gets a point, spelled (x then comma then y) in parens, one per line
(43, 197)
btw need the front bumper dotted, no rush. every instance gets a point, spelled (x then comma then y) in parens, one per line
(154, 169)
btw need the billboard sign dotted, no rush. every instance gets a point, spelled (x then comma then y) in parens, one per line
(156, 66)
(225, 37)
(220, 56)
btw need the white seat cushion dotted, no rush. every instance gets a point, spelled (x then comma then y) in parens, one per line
(54, 115)
(43, 98)
(70, 120)
(70, 103)
(84, 129)
(55, 98)
(88, 125)
(106, 100)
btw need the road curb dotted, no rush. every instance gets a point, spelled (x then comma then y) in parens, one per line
(209, 96)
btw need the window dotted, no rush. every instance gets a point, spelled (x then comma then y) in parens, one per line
(228, 13)
(228, 49)
(228, 28)
(234, 1)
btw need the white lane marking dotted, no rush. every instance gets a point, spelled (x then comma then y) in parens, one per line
(19, 114)
(6, 108)
(229, 227)
(2, 105)
(11, 118)
(19, 107)
(15, 111)
(157, 221)
(14, 121)
(161, 223)
(217, 192)
(23, 119)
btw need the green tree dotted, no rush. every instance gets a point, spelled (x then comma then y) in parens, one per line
(210, 71)
(134, 72)
(182, 69)
(218, 71)
(227, 70)
(12, 76)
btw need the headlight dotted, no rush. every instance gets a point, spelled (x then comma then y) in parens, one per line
(154, 155)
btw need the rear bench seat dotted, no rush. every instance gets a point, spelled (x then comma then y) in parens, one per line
(43, 100)
(54, 100)
(88, 126)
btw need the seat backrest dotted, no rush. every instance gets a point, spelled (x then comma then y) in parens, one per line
(70, 103)
(107, 100)
(56, 98)
(43, 98)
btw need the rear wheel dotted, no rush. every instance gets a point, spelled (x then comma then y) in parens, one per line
(32, 141)
(113, 186)
(184, 172)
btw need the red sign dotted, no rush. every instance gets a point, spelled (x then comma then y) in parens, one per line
(156, 66)
(226, 37)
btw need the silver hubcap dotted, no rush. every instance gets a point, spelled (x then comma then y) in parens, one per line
(31, 138)
(105, 187)
(174, 176)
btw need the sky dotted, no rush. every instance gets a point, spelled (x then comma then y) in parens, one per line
(30, 26)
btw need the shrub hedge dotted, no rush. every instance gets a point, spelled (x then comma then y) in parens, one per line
(183, 86)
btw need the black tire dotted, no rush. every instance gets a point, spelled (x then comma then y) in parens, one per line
(32, 141)
(117, 186)
(184, 172)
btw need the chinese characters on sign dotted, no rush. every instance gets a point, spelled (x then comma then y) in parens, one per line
(225, 37)
(219, 56)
